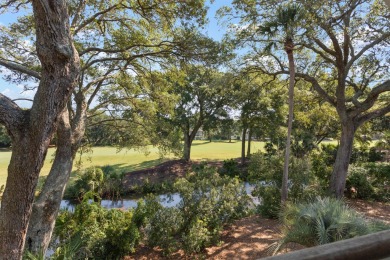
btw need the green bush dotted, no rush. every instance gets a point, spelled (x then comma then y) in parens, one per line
(357, 183)
(208, 202)
(105, 182)
(369, 181)
(321, 167)
(89, 180)
(163, 229)
(267, 171)
(104, 234)
(324, 220)
(374, 155)
(148, 187)
(359, 154)
(230, 168)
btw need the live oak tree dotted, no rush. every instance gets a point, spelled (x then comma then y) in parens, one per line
(259, 100)
(31, 129)
(203, 94)
(343, 54)
(314, 120)
(112, 38)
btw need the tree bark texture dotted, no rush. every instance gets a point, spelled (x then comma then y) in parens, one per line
(31, 137)
(340, 167)
(289, 49)
(189, 136)
(46, 206)
(187, 148)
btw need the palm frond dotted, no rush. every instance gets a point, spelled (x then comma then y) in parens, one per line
(322, 221)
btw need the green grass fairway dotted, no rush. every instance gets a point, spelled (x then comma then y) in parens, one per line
(130, 160)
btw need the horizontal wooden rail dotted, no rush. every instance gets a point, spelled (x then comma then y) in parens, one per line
(368, 247)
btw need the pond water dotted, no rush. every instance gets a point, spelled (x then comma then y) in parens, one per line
(167, 200)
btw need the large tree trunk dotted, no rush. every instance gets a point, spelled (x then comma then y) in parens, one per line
(46, 206)
(32, 135)
(289, 49)
(189, 137)
(248, 151)
(340, 168)
(187, 148)
(243, 159)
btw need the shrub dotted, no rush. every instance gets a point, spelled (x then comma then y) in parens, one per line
(112, 186)
(380, 173)
(164, 228)
(104, 234)
(89, 180)
(267, 171)
(147, 187)
(357, 183)
(374, 155)
(359, 154)
(324, 220)
(369, 181)
(105, 182)
(208, 202)
(230, 168)
(321, 167)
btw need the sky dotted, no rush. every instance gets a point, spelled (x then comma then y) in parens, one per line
(212, 29)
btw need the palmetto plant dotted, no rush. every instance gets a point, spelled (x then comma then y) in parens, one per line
(282, 29)
(322, 221)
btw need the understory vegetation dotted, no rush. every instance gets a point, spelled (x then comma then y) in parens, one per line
(212, 198)
(309, 177)
(208, 202)
(322, 221)
(104, 181)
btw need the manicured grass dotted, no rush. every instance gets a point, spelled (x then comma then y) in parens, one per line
(130, 160)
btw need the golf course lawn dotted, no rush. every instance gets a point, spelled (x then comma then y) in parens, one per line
(130, 160)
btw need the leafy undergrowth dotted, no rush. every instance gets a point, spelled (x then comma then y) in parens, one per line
(251, 237)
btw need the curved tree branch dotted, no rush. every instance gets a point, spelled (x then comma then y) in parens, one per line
(11, 115)
(365, 48)
(373, 114)
(92, 18)
(20, 68)
(323, 55)
(371, 98)
(97, 49)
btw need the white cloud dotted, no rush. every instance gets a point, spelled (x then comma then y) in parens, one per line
(17, 92)
(6, 91)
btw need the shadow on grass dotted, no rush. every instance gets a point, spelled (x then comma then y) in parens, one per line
(147, 164)
(5, 149)
(122, 167)
(195, 144)
(215, 141)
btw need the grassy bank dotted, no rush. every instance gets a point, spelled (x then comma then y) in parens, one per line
(130, 160)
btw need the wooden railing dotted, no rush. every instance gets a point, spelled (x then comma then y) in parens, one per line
(368, 247)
